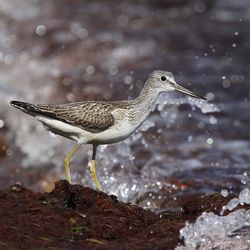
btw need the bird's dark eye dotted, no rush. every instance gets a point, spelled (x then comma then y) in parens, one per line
(163, 78)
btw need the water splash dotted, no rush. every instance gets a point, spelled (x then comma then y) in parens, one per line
(211, 231)
(244, 198)
(204, 106)
(123, 154)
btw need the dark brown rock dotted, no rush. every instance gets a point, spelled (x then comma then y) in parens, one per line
(77, 217)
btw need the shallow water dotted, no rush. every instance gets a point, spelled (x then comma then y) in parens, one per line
(53, 52)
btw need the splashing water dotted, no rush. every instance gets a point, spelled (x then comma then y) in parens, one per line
(244, 198)
(211, 231)
(204, 106)
(126, 185)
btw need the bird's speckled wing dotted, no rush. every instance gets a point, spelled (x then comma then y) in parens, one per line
(91, 116)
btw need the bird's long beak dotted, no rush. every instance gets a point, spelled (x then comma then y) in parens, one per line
(188, 92)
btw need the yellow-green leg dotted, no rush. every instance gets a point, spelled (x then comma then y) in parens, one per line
(93, 171)
(67, 161)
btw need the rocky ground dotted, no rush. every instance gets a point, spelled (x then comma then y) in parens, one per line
(77, 217)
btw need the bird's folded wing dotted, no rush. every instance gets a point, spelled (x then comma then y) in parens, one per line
(90, 116)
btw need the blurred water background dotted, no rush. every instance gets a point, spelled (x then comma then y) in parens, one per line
(70, 50)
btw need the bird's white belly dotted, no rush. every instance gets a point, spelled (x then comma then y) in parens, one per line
(116, 133)
(113, 134)
(65, 129)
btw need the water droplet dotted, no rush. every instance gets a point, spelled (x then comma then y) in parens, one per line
(128, 79)
(224, 192)
(236, 123)
(201, 125)
(1, 123)
(226, 83)
(232, 204)
(200, 7)
(210, 141)
(133, 188)
(245, 178)
(90, 69)
(244, 196)
(213, 120)
(41, 30)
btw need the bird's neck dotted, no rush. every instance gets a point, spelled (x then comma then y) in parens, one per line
(143, 104)
(147, 97)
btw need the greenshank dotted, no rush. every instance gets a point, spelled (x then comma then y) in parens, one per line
(101, 122)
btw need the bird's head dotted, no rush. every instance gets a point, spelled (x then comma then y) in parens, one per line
(163, 81)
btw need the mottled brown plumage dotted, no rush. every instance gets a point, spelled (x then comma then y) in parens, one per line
(92, 116)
